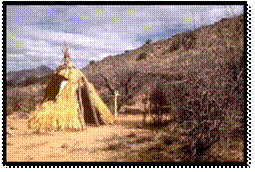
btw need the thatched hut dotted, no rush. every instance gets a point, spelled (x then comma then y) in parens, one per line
(70, 102)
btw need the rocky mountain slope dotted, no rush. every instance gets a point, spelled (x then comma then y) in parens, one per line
(15, 78)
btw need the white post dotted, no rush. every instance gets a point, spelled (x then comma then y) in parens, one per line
(116, 94)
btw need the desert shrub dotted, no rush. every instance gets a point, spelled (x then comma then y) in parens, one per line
(176, 44)
(45, 79)
(14, 99)
(20, 100)
(35, 80)
(92, 62)
(208, 112)
(148, 41)
(188, 41)
(158, 100)
(30, 104)
(127, 51)
(130, 102)
(9, 110)
(142, 55)
(30, 80)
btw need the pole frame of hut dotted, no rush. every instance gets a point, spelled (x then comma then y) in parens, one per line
(81, 114)
(116, 94)
(92, 106)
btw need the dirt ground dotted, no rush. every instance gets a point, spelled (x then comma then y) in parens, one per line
(93, 144)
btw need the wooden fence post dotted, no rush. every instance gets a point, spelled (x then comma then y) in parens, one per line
(116, 94)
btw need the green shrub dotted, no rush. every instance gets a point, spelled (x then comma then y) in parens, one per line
(142, 55)
(30, 80)
(175, 45)
(130, 102)
(45, 79)
(9, 110)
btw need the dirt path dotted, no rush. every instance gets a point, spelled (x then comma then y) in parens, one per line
(94, 144)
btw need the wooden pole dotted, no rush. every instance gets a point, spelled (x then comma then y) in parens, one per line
(81, 114)
(145, 113)
(92, 105)
(149, 107)
(116, 94)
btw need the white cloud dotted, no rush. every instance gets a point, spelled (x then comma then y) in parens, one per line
(37, 33)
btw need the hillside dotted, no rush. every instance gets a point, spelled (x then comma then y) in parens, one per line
(15, 78)
(202, 49)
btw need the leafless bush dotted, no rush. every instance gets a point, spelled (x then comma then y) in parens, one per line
(189, 41)
(158, 100)
(206, 108)
(22, 100)
(123, 82)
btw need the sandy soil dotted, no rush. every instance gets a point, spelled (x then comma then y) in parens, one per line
(93, 144)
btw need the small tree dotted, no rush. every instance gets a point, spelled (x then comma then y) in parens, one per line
(158, 100)
(123, 83)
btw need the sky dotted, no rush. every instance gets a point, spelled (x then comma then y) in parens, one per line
(35, 34)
